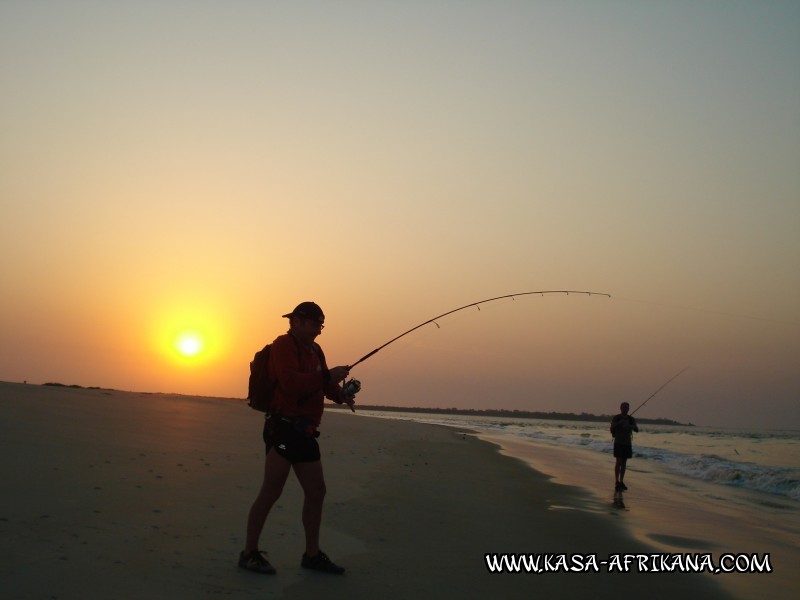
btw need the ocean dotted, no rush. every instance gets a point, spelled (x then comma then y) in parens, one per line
(767, 462)
(691, 489)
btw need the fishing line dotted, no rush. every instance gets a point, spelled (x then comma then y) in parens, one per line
(477, 305)
(661, 388)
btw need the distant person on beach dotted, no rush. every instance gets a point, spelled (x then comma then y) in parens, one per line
(298, 365)
(622, 427)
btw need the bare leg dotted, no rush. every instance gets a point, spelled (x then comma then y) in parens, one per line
(619, 469)
(276, 470)
(312, 480)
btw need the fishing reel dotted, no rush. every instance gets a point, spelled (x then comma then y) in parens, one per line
(351, 388)
(349, 391)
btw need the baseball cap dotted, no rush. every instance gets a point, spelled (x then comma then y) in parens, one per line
(307, 310)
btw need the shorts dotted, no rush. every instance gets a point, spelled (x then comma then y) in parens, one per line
(294, 440)
(623, 450)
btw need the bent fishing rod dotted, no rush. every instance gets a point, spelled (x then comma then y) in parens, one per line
(477, 305)
(661, 388)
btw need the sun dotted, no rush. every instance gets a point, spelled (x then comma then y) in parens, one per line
(189, 344)
(190, 336)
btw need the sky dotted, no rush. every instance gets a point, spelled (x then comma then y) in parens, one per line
(197, 168)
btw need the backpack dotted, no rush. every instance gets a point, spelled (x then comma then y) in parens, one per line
(260, 388)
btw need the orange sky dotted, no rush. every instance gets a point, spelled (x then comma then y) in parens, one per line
(164, 169)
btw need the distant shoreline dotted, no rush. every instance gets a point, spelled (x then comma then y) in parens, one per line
(510, 414)
(492, 412)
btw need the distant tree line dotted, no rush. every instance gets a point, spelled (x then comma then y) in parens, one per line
(80, 387)
(510, 414)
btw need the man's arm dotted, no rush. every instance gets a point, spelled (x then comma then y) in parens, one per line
(332, 378)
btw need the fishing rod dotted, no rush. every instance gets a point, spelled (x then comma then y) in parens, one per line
(661, 388)
(476, 304)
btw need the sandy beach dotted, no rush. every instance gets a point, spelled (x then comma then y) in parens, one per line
(109, 494)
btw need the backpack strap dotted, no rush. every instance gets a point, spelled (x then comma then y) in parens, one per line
(326, 374)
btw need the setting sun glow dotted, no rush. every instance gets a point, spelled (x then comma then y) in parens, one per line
(188, 336)
(189, 344)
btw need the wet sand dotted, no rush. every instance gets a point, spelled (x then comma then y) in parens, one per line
(680, 515)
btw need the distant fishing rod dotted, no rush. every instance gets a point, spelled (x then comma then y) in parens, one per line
(476, 304)
(661, 388)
